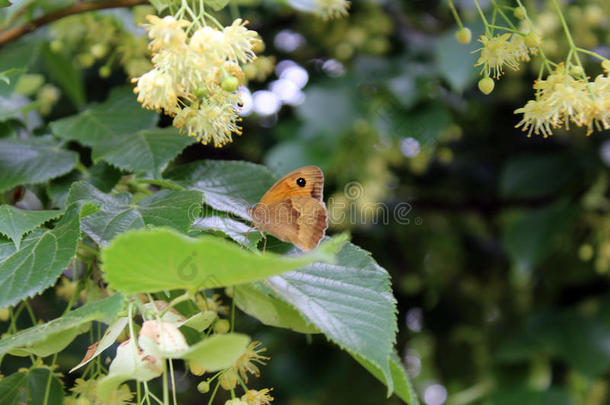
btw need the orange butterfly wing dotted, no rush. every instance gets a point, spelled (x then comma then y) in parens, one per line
(292, 209)
(290, 186)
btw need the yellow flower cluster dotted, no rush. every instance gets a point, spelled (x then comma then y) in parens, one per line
(562, 99)
(194, 78)
(500, 50)
(329, 9)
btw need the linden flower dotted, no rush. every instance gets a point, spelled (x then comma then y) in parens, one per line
(156, 91)
(166, 32)
(599, 112)
(254, 397)
(505, 49)
(184, 67)
(239, 42)
(210, 120)
(213, 303)
(208, 41)
(561, 99)
(536, 115)
(329, 9)
(245, 363)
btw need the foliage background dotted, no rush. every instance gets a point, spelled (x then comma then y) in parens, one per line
(501, 274)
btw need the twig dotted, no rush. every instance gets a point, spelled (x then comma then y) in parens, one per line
(15, 33)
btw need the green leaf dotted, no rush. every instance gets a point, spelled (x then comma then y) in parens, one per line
(322, 99)
(63, 72)
(524, 396)
(120, 114)
(101, 175)
(218, 351)
(40, 261)
(350, 301)
(160, 5)
(4, 3)
(154, 260)
(241, 233)
(104, 310)
(15, 222)
(110, 336)
(53, 343)
(30, 161)
(118, 213)
(229, 186)
(532, 176)
(217, 4)
(4, 76)
(30, 388)
(402, 384)
(529, 239)
(149, 150)
(256, 302)
(455, 61)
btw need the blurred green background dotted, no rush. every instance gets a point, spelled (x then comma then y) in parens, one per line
(498, 244)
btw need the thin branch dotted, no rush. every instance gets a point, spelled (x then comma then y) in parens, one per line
(15, 33)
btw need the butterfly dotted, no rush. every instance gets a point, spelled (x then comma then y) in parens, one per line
(292, 210)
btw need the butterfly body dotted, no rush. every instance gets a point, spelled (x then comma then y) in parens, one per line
(292, 210)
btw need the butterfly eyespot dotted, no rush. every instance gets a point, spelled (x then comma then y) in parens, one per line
(301, 182)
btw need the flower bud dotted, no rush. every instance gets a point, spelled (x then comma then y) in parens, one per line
(196, 368)
(532, 40)
(519, 12)
(230, 83)
(486, 85)
(463, 35)
(577, 71)
(4, 314)
(203, 387)
(222, 326)
(105, 71)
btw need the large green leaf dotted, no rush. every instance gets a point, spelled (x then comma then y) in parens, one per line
(455, 61)
(161, 259)
(580, 340)
(118, 213)
(218, 351)
(15, 222)
(350, 301)
(531, 176)
(218, 222)
(63, 72)
(101, 175)
(53, 343)
(255, 301)
(29, 161)
(402, 384)
(40, 261)
(104, 310)
(227, 185)
(30, 388)
(119, 115)
(530, 238)
(524, 396)
(149, 150)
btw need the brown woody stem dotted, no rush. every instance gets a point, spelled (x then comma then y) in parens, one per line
(12, 34)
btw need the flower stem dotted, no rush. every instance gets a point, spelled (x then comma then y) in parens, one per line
(476, 3)
(456, 16)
